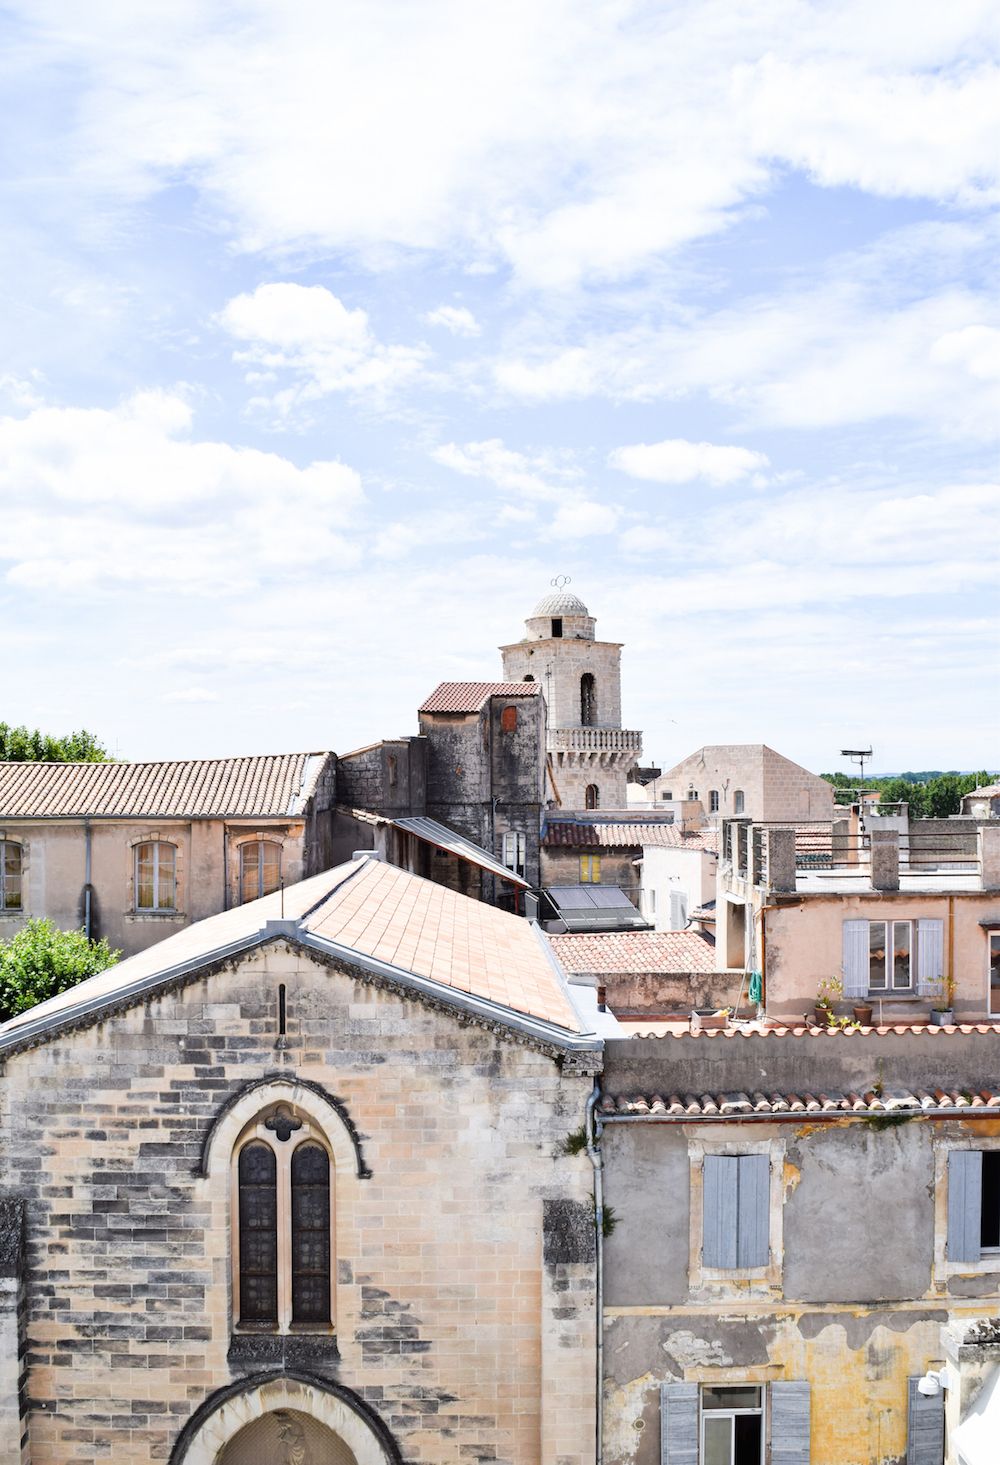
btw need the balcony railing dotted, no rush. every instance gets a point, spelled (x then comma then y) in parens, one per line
(594, 740)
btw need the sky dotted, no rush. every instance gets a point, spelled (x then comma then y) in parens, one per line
(332, 332)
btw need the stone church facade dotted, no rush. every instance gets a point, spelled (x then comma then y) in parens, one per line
(293, 1186)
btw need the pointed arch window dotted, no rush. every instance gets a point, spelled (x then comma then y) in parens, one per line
(588, 700)
(283, 1227)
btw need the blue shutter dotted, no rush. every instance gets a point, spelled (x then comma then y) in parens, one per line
(752, 1248)
(790, 1422)
(924, 1427)
(930, 958)
(678, 1424)
(855, 958)
(965, 1205)
(720, 1215)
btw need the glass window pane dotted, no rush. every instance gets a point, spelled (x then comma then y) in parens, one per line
(990, 1228)
(10, 876)
(249, 871)
(258, 1227)
(900, 954)
(144, 877)
(718, 1440)
(731, 1396)
(995, 971)
(747, 1431)
(165, 884)
(270, 867)
(876, 955)
(310, 1234)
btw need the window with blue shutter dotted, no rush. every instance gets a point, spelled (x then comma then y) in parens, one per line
(678, 1424)
(965, 1205)
(924, 1427)
(736, 1211)
(789, 1422)
(930, 958)
(855, 961)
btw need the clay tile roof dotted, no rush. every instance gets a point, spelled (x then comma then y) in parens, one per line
(394, 923)
(586, 834)
(472, 696)
(269, 786)
(992, 790)
(636, 952)
(902, 1103)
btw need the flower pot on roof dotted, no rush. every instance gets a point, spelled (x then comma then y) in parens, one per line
(863, 1013)
(942, 1017)
(709, 1019)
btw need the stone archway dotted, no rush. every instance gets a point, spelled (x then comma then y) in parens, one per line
(286, 1437)
(285, 1414)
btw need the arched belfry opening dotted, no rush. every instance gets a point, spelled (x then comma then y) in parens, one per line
(588, 700)
(286, 1435)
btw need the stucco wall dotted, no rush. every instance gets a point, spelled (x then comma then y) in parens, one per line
(687, 872)
(449, 1317)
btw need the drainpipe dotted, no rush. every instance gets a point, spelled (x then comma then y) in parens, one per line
(593, 1132)
(87, 837)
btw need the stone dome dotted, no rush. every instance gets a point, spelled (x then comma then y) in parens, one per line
(560, 603)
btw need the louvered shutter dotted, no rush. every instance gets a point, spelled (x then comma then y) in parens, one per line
(790, 1422)
(924, 1427)
(678, 1424)
(930, 958)
(965, 1205)
(855, 958)
(752, 1210)
(720, 1192)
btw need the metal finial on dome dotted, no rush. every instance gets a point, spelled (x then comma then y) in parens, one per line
(559, 581)
(561, 602)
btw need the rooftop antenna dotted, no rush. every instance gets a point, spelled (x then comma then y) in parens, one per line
(858, 755)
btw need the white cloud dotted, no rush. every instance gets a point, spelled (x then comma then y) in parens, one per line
(538, 477)
(305, 332)
(592, 139)
(454, 318)
(582, 519)
(98, 497)
(678, 461)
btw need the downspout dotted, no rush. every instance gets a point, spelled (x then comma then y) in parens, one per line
(593, 1133)
(87, 838)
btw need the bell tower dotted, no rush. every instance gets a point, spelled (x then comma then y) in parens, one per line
(581, 678)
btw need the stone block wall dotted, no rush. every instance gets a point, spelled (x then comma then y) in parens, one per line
(445, 1312)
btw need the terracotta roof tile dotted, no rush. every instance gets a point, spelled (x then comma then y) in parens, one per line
(269, 786)
(472, 696)
(733, 1105)
(586, 834)
(636, 952)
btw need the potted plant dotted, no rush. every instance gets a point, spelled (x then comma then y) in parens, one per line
(943, 1012)
(863, 1013)
(829, 989)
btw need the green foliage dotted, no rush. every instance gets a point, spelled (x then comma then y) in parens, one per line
(574, 1143)
(879, 1122)
(929, 795)
(41, 960)
(609, 1220)
(29, 745)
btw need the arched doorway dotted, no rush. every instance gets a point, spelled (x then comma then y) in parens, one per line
(286, 1437)
(285, 1418)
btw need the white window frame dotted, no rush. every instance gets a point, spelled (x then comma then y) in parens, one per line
(989, 1261)
(713, 801)
(891, 989)
(258, 839)
(731, 1414)
(992, 944)
(155, 909)
(739, 801)
(514, 848)
(5, 909)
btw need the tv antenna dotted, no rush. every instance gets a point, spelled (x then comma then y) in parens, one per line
(858, 755)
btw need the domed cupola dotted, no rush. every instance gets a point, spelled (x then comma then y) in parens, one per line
(561, 615)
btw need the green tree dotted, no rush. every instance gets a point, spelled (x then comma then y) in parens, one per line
(41, 960)
(30, 745)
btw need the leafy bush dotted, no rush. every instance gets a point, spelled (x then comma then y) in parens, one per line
(41, 960)
(29, 745)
